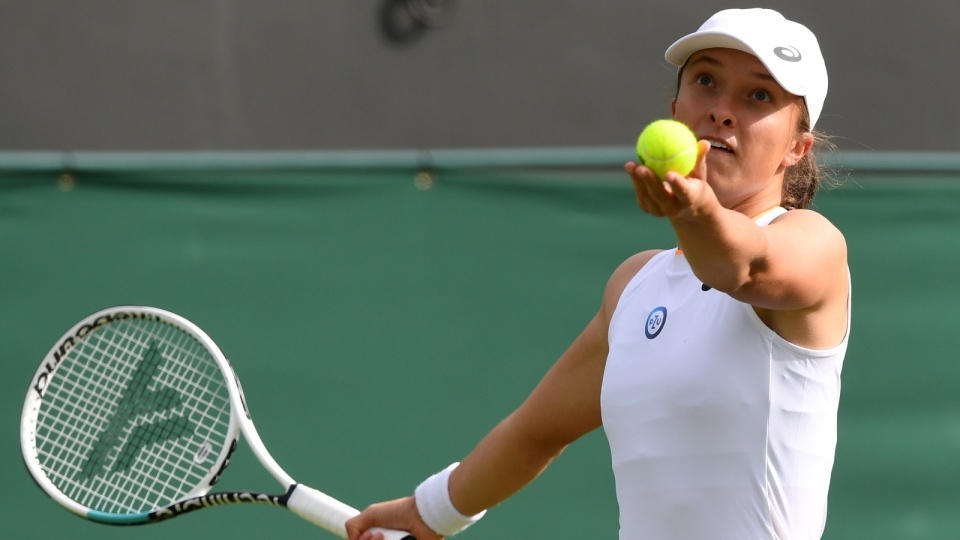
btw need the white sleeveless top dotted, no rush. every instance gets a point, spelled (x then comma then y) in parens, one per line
(719, 429)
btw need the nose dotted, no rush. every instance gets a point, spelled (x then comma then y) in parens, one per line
(721, 113)
(721, 117)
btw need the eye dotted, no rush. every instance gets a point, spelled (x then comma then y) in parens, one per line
(762, 95)
(704, 80)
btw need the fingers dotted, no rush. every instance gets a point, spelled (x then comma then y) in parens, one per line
(673, 194)
(399, 514)
(654, 196)
(367, 535)
(359, 525)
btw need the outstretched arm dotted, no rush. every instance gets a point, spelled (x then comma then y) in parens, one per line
(793, 271)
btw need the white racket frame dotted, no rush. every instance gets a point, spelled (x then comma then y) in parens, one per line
(308, 503)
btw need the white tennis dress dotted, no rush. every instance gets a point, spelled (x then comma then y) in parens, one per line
(719, 429)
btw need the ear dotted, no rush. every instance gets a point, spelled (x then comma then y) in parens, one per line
(800, 147)
(673, 108)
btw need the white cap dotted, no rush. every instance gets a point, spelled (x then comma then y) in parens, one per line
(789, 50)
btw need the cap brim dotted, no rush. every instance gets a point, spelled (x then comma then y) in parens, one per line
(678, 53)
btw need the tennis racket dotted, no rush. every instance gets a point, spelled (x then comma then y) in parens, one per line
(132, 418)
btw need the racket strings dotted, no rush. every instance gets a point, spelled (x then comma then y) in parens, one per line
(134, 418)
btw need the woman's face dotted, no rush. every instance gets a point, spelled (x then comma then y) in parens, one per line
(729, 98)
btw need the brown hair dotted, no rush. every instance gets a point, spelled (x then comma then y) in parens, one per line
(801, 181)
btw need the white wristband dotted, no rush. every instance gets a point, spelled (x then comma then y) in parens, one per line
(433, 502)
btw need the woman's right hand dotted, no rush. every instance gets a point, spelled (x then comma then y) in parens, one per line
(400, 514)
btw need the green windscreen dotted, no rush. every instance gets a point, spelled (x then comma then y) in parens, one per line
(385, 310)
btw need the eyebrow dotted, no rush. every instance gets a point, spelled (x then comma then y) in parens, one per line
(707, 59)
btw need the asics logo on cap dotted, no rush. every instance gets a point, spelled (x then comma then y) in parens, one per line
(790, 54)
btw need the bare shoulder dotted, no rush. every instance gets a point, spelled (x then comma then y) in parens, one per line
(810, 225)
(621, 277)
(803, 292)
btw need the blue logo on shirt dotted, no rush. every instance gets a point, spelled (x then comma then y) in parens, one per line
(655, 322)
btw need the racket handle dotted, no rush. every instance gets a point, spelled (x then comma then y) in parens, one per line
(324, 511)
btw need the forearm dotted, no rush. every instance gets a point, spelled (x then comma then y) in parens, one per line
(722, 246)
(561, 409)
(502, 463)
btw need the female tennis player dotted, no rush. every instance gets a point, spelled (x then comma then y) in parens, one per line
(714, 367)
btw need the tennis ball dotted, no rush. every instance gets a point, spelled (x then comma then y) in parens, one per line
(667, 145)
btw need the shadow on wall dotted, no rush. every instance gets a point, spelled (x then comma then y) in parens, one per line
(404, 22)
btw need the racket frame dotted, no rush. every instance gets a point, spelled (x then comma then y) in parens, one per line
(47, 370)
(310, 504)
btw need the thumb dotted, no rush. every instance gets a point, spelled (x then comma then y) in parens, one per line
(700, 169)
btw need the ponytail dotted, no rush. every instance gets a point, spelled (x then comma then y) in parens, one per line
(802, 180)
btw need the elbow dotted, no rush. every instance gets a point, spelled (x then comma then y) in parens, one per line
(732, 278)
(532, 443)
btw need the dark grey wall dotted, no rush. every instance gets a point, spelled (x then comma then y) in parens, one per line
(315, 74)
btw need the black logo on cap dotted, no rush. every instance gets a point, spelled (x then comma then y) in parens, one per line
(790, 54)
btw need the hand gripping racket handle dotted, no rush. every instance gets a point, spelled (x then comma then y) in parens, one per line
(326, 512)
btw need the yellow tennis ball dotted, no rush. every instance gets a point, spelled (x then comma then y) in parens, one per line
(667, 145)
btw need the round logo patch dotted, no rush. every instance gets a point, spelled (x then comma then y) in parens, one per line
(790, 54)
(655, 321)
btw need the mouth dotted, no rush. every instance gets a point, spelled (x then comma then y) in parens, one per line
(720, 145)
